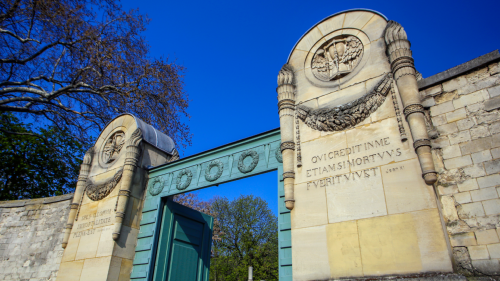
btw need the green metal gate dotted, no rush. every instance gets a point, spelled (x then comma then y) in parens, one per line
(248, 157)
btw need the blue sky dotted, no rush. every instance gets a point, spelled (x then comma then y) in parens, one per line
(233, 51)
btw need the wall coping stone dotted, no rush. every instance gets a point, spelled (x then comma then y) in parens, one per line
(46, 200)
(458, 70)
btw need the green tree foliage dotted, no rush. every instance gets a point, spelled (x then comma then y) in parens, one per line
(36, 166)
(248, 237)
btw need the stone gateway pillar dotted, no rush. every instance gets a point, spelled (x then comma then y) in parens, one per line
(356, 154)
(103, 224)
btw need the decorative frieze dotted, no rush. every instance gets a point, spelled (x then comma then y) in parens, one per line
(348, 115)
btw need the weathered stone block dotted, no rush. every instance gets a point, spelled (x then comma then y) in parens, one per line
(432, 91)
(463, 136)
(343, 249)
(494, 251)
(492, 104)
(467, 185)
(463, 197)
(478, 252)
(440, 142)
(492, 207)
(478, 75)
(310, 252)
(458, 162)
(487, 117)
(485, 237)
(492, 167)
(448, 208)
(494, 68)
(495, 127)
(484, 194)
(476, 145)
(406, 191)
(445, 97)
(442, 108)
(495, 153)
(488, 181)
(454, 84)
(447, 190)
(451, 151)
(463, 239)
(439, 120)
(481, 156)
(428, 102)
(456, 115)
(447, 129)
(494, 91)
(479, 132)
(472, 108)
(474, 171)
(471, 210)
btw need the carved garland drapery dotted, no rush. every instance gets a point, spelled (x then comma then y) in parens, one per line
(348, 115)
(97, 192)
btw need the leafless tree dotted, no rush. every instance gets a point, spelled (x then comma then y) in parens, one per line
(80, 63)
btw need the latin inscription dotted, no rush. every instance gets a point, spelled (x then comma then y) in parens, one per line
(98, 219)
(360, 154)
(89, 232)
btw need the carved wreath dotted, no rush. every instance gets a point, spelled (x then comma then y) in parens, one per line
(98, 191)
(220, 168)
(156, 186)
(255, 160)
(278, 155)
(347, 115)
(184, 185)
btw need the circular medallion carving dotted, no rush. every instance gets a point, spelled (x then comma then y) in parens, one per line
(337, 57)
(156, 186)
(220, 168)
(184, 185)
(255, 160)
(112, 147)
(278, 155)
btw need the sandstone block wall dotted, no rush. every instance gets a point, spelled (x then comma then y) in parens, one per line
(465, 113)
(31, 233)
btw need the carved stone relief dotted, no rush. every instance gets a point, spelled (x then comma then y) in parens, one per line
(98, 191)
(337, 57)
(347, 115)
(112, 147)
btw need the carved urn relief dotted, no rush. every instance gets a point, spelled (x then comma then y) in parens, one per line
(337, 57)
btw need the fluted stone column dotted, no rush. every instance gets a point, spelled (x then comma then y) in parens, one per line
(80, 188)
(131, 161)
(403, 69)
(286, 108)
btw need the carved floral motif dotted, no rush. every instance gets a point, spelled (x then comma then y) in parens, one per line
(347, 115)
(184, 185)
(255, 160)
(214, 164)
(337, 57)
(98, 191)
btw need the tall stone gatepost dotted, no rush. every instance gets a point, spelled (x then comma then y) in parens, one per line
(357, 164)
(103, 224)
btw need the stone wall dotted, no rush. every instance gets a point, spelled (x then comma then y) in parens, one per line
(466, 148)
(31, 233)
